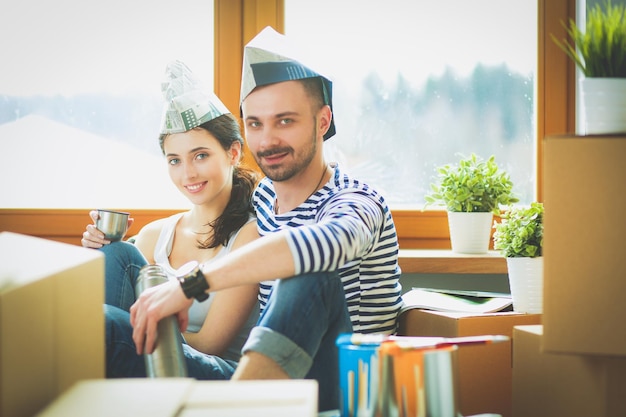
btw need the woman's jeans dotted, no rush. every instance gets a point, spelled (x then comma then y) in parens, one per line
(122, 264)
(298, 327)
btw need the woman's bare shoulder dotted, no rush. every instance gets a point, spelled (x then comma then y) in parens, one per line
(152, 228)
(247, 234)
(148, 236)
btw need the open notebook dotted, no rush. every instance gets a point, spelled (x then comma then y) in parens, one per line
(456, 300)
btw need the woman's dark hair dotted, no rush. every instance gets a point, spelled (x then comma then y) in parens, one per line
(226, 130)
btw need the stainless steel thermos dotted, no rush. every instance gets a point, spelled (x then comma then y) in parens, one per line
(167, 360)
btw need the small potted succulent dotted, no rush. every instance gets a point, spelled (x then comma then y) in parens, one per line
(472, 191)
(599, 51)
(519, 238)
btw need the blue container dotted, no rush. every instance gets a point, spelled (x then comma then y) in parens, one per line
(358, 373)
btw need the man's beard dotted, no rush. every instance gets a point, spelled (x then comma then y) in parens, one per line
(284, 173)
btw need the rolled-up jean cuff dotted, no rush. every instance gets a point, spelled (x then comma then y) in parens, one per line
(289, 356)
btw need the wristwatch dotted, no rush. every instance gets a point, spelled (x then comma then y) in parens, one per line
(192, 281)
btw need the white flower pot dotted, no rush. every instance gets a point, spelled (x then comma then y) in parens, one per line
(526, 282)
(470, 232)
(603, 105)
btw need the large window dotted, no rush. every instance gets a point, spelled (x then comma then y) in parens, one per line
(418, 83)
(80, 100)
(236, 22)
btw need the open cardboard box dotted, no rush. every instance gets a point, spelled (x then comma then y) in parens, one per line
(484, 371)
(51, 320)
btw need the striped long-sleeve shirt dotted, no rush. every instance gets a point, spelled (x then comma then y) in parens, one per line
(345, 226)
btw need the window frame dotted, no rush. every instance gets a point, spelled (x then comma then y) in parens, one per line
(417, 229)
(237, 21)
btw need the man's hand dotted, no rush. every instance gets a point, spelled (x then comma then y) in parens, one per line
(154, 304)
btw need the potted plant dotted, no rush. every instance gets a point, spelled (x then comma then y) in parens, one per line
(599, 51)
(519, 238)
(471, 191)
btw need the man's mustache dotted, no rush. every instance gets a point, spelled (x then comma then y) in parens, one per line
(273, 151)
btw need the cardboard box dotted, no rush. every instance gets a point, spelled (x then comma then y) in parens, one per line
(185, 397)
(584, 268)
(485, 372)
(51, 320)
(551, 385)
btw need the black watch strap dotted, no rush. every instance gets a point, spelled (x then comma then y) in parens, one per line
(194, 284)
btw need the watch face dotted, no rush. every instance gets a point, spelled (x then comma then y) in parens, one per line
(187, 268)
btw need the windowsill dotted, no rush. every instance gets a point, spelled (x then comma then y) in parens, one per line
(426, 261)
(67, 225)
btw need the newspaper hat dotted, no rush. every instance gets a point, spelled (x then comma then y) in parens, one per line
(188, 103)
(269, 58)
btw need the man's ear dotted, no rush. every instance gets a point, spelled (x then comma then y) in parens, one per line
(324, 117)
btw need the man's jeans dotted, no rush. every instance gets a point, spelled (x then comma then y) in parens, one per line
(298, 327)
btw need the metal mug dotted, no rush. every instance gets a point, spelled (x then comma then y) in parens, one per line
(113, 224)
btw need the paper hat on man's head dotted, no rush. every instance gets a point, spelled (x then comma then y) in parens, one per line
(188, 103)
(269, 58)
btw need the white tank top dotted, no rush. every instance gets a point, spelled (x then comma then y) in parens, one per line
(199, 310)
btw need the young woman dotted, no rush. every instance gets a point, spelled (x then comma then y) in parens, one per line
(203, 163)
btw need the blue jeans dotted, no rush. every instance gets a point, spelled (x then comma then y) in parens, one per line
(299, 327)
(122, 264)
(122, 360)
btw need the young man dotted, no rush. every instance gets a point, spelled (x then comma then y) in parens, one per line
(328, 240)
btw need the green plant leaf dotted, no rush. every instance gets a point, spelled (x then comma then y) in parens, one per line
(600, 49)
(520, 232)
(472, 185)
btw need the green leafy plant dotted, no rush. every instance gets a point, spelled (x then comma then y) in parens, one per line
(599, 50)
(520, 232)
(473, 185)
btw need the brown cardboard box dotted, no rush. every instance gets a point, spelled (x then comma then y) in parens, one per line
(485, 372)
(584, 268)
(554, 385)
(51, 320)
(185, 397)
